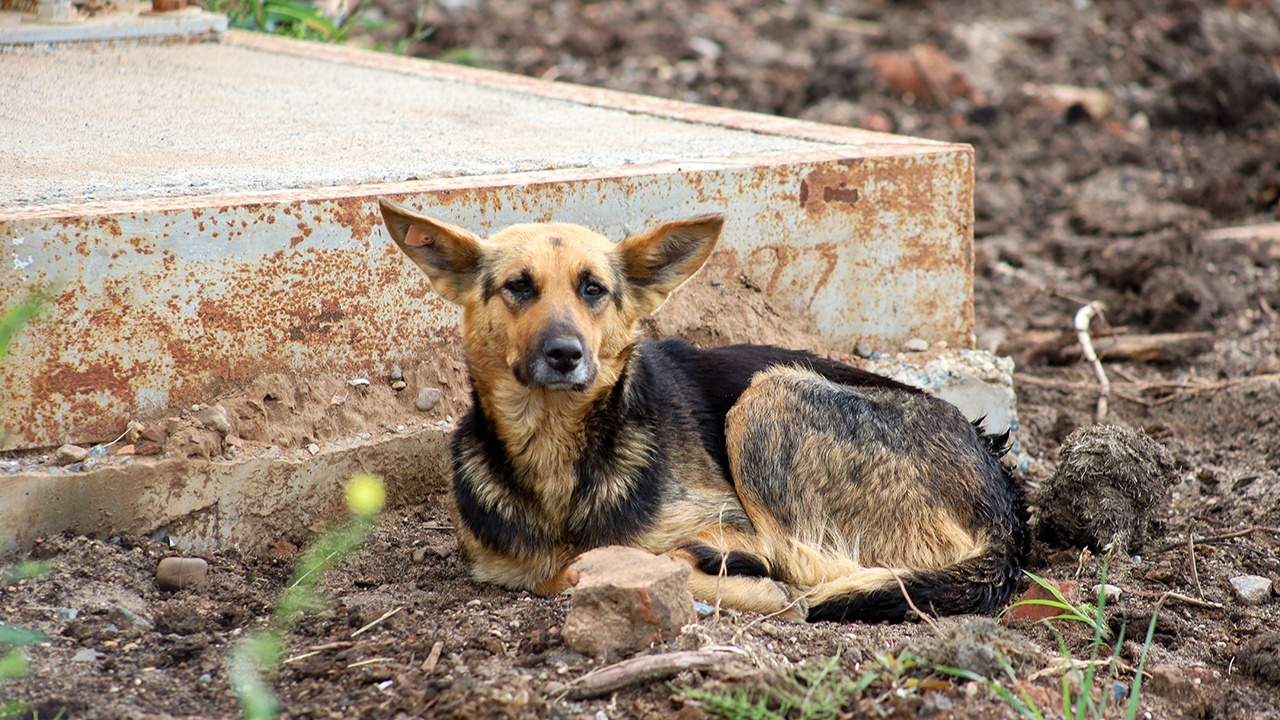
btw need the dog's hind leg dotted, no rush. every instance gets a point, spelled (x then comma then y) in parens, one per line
(736, 577)
(856, 489)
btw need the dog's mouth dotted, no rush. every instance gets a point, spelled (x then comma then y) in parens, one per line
(540, 376)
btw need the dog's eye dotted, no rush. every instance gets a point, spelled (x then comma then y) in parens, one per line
(519, 286)
(593, 289)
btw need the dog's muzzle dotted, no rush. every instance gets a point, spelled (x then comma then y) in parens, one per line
(559, 360)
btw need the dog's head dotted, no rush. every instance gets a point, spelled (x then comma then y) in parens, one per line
(552, 303)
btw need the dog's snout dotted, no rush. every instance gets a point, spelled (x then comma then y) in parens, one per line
(563, 353)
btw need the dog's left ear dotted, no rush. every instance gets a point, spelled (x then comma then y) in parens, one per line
(659, 261)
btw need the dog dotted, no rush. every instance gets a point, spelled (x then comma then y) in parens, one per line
(791, 484)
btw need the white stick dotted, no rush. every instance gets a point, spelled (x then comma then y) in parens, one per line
(1083, 316)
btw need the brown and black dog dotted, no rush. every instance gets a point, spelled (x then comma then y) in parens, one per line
(790, 483)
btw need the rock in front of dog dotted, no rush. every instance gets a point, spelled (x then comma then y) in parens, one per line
(180, 573)
(1034, 612)
(626, 600)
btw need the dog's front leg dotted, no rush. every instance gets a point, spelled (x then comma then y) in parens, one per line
(558, 583)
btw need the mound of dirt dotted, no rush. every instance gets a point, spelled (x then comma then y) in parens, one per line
(1111, 484)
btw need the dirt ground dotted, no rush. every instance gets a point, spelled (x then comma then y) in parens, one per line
(1113, 197)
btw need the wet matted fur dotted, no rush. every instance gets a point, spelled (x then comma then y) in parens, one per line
(790, 483)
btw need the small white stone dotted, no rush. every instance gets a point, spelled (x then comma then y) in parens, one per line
(915, 345)
(1251, 589)
(313, 448)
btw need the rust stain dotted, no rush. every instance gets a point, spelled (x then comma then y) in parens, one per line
(110, 225)
(828, 186)
(356, 214)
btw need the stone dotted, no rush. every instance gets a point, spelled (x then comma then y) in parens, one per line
(154, 432)
(215, 418)
(626, 600)
(179, 573)
(915, 345)
(427, 398)
(1187, 688)
(978, 382)
(71, 454)
(86, 655)
(1036, 613)
(1251, 589)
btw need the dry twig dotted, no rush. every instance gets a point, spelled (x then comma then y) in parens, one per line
(1191, 550)
(933, 624)
(433, 657)
(1082, 319)
(648, 668)
(385, 615)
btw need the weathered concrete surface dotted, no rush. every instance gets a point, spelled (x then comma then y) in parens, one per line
(205, 505)
(167, 301)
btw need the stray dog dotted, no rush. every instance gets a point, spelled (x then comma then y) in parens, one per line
(790, 483)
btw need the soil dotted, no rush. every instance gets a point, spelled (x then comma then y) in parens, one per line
(1080, 197)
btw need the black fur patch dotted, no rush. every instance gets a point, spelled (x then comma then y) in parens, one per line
(712, 562)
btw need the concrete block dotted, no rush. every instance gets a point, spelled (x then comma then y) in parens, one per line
(627, 600)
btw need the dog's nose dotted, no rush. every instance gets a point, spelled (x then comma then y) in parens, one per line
(563, 353)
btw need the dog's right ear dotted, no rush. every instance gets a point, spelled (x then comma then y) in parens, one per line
(448, 254)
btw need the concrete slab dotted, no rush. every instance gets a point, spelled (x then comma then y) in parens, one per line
(202, 215)
(210, 118)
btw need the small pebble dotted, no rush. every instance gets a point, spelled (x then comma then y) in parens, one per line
(1251, 589)
(398, 385)
(195, 408)
(98, 451)
(396, 374)
(178, 573)
(70, 454)
(357, 382)
(715, 283)
(86, 655)
(1118, 691)
(1113, 593)
(313, 448)
(419, 555)
(427, 398)
(915, 345)
(864, 350)
(68, 614)
(702, 608)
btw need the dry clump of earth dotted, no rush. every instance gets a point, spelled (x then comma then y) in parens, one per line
(1116, 142)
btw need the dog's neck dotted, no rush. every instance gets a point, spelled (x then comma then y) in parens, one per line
(542, 430)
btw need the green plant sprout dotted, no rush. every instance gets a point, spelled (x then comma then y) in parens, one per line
(256, 660)
(1079, 705)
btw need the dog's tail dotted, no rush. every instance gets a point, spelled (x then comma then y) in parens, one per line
(980, 583)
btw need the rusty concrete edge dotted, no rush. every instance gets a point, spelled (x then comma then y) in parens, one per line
(247, 503)
(837, 153)
(581, 94)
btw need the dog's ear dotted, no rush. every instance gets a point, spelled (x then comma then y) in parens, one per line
(448, 254)
(657, 262)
